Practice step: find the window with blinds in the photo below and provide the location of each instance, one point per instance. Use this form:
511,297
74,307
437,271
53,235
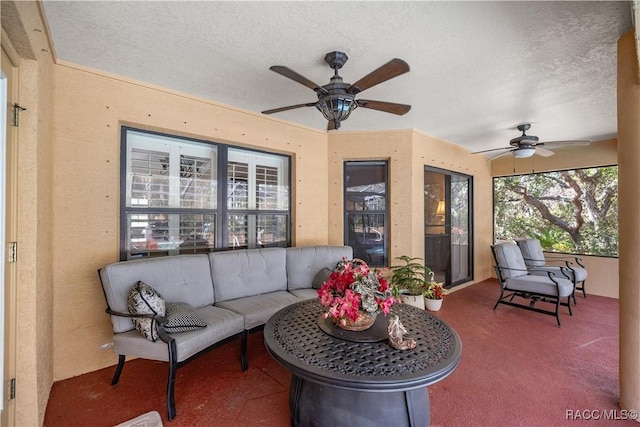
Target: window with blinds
170,196
266,187
149,181
238,185
257,195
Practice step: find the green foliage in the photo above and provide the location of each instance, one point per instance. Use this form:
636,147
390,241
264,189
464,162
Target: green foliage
572,211
412,277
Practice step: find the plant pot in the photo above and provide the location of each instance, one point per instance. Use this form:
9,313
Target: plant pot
414,300
432,304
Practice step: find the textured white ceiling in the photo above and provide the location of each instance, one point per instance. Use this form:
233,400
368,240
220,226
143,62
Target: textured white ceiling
477,68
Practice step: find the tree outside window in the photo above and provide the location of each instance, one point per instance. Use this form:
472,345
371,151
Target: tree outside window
572,211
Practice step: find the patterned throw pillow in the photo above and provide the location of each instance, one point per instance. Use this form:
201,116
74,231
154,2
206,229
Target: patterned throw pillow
181,317
143,299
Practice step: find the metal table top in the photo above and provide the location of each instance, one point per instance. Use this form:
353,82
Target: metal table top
292,336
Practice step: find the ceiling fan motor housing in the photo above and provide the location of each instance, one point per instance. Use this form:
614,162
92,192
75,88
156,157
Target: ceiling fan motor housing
336,59
524,138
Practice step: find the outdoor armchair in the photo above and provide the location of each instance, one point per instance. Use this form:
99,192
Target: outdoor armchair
534,259
516,281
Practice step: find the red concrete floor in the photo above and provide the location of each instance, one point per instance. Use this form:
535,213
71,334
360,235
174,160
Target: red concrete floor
518,368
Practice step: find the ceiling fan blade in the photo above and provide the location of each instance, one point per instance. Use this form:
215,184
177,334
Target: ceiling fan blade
289,73
391,69
290,107
493,149
387,107
544,152
495,156
577,142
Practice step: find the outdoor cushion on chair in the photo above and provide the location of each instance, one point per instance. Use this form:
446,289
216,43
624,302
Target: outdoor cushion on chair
517,281
534,258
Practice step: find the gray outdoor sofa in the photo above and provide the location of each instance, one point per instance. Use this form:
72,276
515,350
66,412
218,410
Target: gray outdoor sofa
232,292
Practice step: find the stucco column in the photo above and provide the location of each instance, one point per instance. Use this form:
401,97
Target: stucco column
629,224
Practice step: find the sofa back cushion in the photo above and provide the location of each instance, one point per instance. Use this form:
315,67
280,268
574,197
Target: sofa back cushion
248,272
532,252
304,263
509,259
180,278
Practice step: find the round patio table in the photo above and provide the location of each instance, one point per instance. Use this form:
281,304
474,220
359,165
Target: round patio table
357,378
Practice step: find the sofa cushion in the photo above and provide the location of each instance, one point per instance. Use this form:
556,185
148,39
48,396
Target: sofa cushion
245,273
307,293
258,309
221,324
304,263
182,317
184,278
143,299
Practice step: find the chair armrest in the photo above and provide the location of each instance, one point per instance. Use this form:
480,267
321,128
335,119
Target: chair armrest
121,314
579,261
161,321
563,269
562,259
546,261
511,269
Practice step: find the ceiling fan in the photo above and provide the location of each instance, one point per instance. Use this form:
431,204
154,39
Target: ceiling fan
336,100
527,145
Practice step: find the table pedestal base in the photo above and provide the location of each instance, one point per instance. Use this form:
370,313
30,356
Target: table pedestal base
317,405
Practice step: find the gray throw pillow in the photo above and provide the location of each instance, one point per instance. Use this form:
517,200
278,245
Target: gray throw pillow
321,277
182,317
143,299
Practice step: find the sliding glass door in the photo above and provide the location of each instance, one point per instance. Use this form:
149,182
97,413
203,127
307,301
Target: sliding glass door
448,227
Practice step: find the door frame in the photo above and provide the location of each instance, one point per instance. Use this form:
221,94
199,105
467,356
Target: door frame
443,228
9,228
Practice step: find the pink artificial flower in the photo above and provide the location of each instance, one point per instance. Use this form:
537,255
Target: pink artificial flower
342,301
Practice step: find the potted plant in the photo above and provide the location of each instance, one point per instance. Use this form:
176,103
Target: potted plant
434,295
411,280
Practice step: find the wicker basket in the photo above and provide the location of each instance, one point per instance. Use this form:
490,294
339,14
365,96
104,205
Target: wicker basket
364,321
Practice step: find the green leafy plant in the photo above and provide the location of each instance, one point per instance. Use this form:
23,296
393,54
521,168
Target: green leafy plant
411,278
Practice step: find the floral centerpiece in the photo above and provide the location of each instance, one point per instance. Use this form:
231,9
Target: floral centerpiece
354,295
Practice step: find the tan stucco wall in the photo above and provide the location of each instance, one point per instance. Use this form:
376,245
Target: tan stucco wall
629,226
392,146
34,293
407,152
603,272
90,109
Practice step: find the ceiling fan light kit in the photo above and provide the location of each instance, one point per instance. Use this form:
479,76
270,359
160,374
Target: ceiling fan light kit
527,145
338,107
523,153
336,100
